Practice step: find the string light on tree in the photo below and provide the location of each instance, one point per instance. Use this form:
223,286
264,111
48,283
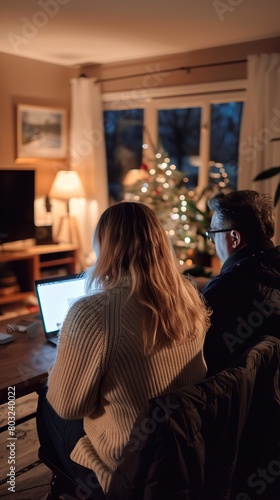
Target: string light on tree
218,175
164,189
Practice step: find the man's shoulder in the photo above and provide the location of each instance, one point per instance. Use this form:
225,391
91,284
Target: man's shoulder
272,258
223,283
232,281
246,273
229,274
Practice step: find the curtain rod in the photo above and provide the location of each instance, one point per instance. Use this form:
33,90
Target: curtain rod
198,94
180,68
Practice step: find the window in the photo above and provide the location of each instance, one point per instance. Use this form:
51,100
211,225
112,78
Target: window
179,135
224,142
124,139
198,127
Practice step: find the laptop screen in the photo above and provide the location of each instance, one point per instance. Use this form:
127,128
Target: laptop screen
55,296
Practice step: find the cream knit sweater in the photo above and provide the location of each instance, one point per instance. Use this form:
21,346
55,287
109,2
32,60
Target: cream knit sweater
100,374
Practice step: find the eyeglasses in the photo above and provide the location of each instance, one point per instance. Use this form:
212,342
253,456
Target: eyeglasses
213,231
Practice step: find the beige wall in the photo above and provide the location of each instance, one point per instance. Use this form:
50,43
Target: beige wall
167,71
25,81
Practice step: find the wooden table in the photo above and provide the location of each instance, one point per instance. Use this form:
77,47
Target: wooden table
24,363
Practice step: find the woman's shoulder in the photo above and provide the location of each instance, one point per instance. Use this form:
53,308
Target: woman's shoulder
92,300
86,311
97,299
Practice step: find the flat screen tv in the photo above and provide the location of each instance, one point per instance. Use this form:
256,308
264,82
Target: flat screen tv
17,193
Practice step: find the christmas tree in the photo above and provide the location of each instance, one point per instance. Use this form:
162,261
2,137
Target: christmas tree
165,190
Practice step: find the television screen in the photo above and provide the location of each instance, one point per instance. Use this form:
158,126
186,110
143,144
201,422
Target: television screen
17,192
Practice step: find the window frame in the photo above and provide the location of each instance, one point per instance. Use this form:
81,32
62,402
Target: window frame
183,96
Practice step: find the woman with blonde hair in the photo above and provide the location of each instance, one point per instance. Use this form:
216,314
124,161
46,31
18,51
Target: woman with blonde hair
138,333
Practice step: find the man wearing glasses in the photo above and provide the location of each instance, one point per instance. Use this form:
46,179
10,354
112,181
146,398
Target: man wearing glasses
245,296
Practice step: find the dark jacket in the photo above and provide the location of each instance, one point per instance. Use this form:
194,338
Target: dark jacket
209,441
245,299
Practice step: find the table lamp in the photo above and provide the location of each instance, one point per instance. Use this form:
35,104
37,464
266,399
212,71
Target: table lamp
66,185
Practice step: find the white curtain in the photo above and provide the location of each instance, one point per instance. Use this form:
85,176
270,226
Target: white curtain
260,125
87,156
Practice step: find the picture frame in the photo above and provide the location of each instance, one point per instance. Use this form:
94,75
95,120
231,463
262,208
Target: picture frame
41,133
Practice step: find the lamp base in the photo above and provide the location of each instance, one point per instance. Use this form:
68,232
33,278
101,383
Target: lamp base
71,229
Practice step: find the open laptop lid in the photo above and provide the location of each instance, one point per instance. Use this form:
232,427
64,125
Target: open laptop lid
55,296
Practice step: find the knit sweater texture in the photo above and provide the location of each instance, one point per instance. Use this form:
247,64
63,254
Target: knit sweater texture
102,375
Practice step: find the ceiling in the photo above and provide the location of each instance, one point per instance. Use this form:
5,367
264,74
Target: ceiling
79,32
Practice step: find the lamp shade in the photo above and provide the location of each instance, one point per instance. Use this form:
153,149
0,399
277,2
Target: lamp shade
67,184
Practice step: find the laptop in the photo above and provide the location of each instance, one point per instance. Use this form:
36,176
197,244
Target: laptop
55,296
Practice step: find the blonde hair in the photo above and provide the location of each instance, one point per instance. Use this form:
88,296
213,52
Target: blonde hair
132,242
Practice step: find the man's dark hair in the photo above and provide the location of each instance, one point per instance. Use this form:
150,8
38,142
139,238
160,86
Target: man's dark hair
249,212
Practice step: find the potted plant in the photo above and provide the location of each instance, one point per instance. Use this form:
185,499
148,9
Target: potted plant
271,172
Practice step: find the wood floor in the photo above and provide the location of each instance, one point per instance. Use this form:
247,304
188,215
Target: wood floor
32,477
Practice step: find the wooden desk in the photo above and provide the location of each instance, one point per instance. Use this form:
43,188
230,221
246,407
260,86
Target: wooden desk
25,362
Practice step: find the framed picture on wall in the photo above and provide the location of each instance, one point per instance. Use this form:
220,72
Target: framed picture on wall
41,133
